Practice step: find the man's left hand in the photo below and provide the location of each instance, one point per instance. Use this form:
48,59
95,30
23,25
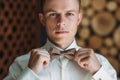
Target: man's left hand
87,59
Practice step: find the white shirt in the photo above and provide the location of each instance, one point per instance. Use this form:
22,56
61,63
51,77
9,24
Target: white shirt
60,68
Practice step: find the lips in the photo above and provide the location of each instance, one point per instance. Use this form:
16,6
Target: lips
61,32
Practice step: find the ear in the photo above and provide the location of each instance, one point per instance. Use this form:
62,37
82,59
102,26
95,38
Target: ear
41,18
79,18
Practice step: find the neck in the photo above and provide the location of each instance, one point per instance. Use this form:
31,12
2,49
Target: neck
63,44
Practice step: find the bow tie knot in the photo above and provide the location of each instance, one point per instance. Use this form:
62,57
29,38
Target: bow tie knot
54,53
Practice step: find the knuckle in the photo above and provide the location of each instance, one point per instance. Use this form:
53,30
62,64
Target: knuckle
38,55
33,50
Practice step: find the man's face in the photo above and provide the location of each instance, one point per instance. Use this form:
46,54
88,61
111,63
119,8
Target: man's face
61,18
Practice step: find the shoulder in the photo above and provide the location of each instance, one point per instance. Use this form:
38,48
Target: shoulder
101,58
22,61
23,57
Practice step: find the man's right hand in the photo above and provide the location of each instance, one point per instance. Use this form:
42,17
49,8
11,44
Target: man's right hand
39,58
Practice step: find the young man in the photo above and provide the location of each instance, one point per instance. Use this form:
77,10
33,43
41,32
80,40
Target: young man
61,19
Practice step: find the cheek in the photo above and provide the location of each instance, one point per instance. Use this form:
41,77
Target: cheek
74,30
74,26
49,29
49,26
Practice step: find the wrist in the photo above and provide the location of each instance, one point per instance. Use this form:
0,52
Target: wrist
96,70
35,70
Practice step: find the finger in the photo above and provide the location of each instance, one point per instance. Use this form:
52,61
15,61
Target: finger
90,51
44,60
34,59
45,63
85,49
78,54
83,57
82,53
84,62
33,53
43,53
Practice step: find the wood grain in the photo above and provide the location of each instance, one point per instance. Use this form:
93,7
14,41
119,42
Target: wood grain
103,23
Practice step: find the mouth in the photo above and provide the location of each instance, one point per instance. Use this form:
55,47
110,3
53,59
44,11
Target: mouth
61,32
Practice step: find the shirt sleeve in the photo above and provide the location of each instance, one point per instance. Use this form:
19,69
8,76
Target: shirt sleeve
106,72
17,73
28,74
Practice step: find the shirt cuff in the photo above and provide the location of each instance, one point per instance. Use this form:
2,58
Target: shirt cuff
101,75
28,74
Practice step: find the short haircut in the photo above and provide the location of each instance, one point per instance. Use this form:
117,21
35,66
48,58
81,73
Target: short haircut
42,2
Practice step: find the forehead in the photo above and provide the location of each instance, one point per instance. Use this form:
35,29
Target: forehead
61,5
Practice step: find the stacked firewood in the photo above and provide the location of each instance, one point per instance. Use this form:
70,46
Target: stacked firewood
100,29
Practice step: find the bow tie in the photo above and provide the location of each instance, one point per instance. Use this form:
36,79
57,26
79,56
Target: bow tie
54,53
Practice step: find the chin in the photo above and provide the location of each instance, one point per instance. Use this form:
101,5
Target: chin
57,39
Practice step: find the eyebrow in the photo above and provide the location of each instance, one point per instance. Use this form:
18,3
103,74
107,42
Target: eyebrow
51,10
71,11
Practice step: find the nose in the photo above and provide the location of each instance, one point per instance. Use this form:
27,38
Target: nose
61,21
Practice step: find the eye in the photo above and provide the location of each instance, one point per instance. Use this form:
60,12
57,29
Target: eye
53,14
70,14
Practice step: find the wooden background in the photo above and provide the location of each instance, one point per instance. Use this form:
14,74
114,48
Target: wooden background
100,29
20,30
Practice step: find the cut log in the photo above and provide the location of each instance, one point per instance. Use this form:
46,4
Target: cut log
104,51
113,51
117,37
95,42
98,4
111,6
82,11
117,14
90,12
109,42
103,23
118,1
85,3
85,22
84,33
80,42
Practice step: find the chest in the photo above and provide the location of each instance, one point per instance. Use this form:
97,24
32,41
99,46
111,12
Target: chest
64,70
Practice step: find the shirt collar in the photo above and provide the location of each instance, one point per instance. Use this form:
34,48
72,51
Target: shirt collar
50,44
